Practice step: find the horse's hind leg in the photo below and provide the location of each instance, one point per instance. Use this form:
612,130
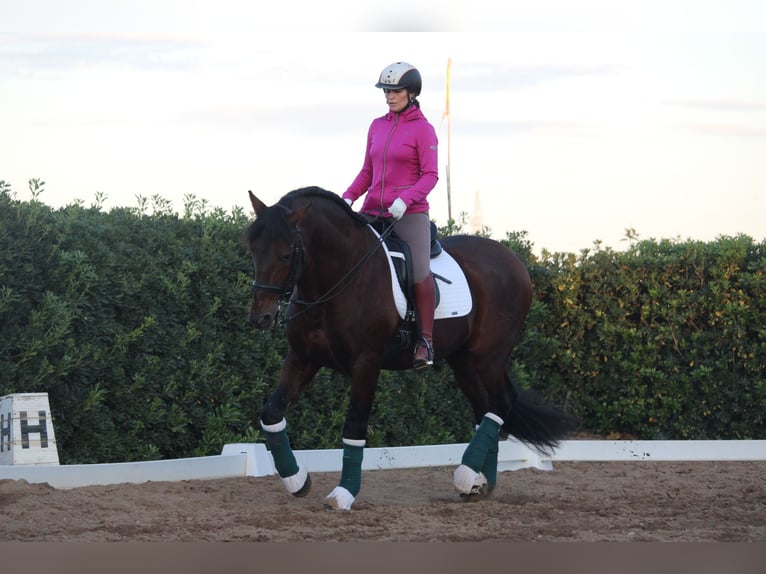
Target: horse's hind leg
477,473
484,388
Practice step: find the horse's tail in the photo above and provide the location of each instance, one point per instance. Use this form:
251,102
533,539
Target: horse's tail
534,423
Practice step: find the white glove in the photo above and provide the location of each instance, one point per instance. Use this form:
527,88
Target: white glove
348,201
398,207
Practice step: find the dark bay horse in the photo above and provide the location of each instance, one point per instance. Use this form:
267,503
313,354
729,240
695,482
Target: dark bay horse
314,251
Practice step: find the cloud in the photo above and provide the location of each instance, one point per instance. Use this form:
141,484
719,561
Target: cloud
723,129
720,105
57,53
523,128
301,120
487,77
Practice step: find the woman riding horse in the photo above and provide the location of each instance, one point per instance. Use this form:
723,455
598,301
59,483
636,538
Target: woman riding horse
312,250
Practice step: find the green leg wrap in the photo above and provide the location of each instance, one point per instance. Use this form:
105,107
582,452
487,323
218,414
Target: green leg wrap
483,442
284,459
489,469
351,475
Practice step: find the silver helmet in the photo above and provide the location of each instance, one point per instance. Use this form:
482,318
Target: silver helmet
401,75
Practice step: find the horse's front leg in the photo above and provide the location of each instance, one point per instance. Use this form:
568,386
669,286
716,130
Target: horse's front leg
294,377
364,381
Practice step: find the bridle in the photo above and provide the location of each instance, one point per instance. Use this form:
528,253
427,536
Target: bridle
286,290
296,263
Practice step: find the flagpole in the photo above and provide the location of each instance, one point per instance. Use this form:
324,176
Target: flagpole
449,142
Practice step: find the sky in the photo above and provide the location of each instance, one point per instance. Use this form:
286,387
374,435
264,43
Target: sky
571,121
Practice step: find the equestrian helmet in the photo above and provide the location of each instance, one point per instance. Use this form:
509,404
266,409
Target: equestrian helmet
401,75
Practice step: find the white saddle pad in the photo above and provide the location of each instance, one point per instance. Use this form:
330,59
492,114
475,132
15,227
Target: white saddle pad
454,293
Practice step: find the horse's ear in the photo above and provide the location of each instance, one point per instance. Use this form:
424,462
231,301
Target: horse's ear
258,206
296,216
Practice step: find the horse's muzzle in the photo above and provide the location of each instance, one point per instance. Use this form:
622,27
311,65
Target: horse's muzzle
264,312
265,321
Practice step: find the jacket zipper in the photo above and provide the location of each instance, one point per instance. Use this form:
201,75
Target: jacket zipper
385,157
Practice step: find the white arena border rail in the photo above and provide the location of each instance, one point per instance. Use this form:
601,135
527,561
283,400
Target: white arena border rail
246,459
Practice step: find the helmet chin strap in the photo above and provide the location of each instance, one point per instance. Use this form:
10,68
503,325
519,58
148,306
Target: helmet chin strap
411,101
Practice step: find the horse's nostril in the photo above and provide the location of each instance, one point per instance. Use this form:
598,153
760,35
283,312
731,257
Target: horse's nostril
262,322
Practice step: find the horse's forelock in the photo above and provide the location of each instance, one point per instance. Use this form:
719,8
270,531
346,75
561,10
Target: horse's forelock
269,225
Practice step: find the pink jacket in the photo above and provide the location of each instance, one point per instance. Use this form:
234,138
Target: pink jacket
401,160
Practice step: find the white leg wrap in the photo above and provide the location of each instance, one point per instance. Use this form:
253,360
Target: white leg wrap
354,442
295,482
280,426
494,417
467,480
339,499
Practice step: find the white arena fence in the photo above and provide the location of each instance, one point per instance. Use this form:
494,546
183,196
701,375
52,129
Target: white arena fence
28,451
253,459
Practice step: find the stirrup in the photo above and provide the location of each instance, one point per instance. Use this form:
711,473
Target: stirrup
420,362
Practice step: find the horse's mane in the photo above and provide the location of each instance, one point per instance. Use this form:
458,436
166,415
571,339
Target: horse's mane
288,200
314,191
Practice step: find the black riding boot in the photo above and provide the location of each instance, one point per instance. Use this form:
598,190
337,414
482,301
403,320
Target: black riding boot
424,308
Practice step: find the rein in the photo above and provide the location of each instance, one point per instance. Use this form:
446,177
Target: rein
296,264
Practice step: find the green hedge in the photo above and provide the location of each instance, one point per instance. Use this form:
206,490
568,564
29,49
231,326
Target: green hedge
134,322
666,340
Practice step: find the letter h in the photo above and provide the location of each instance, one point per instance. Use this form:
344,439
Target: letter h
5,431
27,429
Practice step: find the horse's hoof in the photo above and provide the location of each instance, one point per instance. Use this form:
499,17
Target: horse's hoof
339,499
478,492
468,481
305,489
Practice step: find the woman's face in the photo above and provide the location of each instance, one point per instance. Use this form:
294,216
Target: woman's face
397,100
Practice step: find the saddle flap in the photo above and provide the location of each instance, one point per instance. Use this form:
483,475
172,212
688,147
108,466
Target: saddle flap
454,294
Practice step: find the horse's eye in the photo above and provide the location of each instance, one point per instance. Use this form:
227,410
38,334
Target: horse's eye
284,258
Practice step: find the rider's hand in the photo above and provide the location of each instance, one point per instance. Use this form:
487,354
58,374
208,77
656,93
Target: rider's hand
398,207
